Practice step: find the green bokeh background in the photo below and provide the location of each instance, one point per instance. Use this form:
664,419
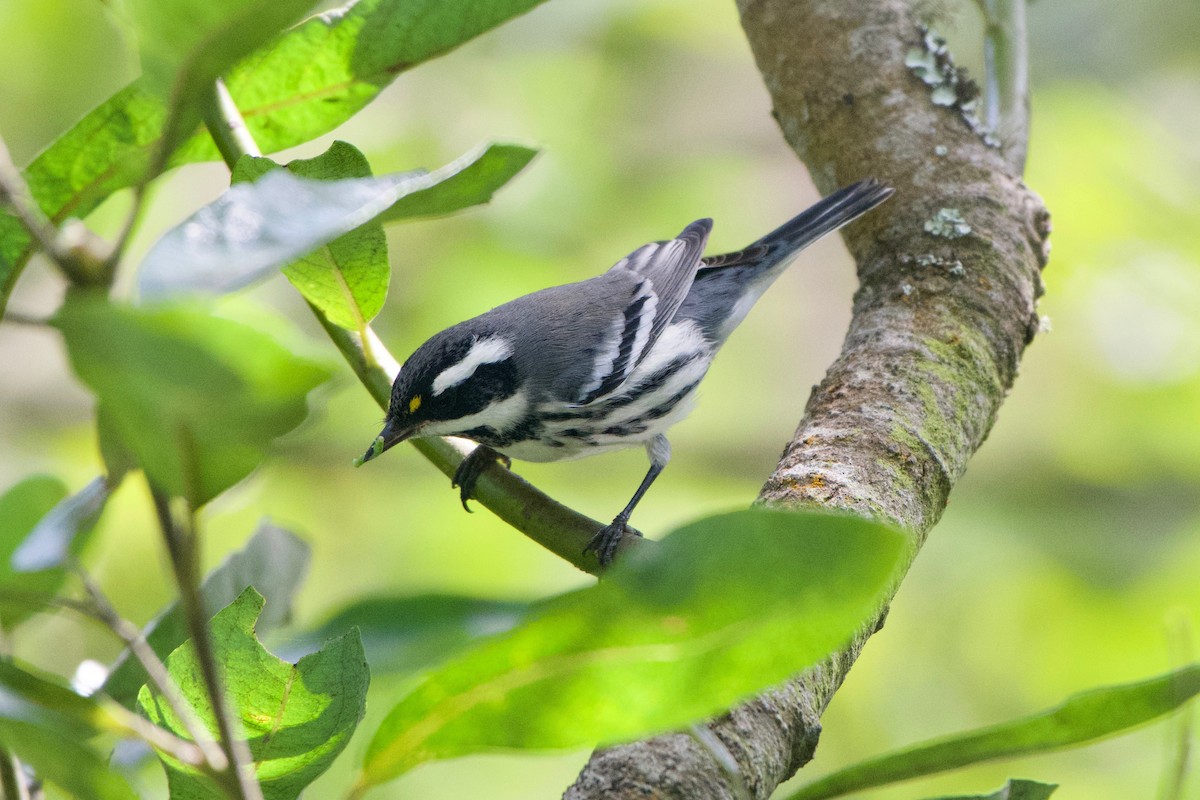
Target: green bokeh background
1069,554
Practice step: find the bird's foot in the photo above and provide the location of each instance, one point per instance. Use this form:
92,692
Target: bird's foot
472,467
605,542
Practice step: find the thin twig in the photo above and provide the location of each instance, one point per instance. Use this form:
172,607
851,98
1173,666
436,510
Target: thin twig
1006,77
227,126
126,721
183,548
156,670
561,530
725,760
14,193
556,527
12,778
18,318
1179,761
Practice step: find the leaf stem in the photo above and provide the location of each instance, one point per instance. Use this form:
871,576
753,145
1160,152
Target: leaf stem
559,529
227,126
556,527
103,610
18,318
78,260
1006,77
709,740
12,781
183,547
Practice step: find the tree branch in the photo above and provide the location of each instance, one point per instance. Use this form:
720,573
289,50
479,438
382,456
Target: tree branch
949,276
551,524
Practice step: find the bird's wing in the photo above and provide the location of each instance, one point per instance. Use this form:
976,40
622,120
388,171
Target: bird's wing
660,275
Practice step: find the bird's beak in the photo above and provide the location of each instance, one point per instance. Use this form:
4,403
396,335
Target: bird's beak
393,433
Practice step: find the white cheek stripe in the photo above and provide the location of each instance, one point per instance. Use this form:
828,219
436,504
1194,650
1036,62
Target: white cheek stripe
500,415
484,351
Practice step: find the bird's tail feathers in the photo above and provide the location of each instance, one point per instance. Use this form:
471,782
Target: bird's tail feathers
827,215
822,218
727,285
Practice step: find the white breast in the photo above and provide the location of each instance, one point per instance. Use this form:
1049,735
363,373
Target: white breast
659,392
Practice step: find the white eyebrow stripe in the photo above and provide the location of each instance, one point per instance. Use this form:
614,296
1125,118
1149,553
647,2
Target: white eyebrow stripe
484,351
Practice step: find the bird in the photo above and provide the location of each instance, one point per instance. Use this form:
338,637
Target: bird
602,364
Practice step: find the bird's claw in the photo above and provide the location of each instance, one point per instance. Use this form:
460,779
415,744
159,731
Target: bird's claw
471,467
606,540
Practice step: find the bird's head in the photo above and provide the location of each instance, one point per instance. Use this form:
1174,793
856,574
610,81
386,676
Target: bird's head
459,381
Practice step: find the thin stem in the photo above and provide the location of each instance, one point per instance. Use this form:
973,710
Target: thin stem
1006,69
15,193
103,610
705,737
1179,759
18,318
183,547
227,126
556,527
125,721
12,781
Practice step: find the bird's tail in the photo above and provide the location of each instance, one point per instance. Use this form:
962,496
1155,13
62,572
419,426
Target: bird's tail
827,215
727,285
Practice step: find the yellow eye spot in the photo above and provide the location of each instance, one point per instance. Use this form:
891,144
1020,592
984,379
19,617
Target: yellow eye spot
414,404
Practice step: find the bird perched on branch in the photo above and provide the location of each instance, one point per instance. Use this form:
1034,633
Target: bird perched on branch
606,363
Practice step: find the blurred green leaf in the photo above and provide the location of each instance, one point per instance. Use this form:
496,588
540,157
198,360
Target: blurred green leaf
297,718
253,228
185,45
1014,789
45,723
22,507
118,460
404,634
30,699
52,539
469,181
1081,718
346,278
672,634
197,399
315,77
274,562
65,762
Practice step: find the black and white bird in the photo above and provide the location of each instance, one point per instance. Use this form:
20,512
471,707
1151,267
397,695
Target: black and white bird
599,365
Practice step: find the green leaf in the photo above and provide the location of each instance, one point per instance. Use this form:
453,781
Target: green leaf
185,45
404,634
75,767
1081,718
253,228
197,399
469,181
314,78
1014,789
274,562
22,507
55,535
33,700
327,68
674,633
44,724
297,718
346,278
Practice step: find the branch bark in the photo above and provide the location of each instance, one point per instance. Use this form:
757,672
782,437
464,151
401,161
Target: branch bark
949,276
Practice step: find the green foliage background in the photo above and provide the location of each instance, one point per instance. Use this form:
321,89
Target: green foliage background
1069,554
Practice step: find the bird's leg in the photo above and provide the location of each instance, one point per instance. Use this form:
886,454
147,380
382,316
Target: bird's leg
472,467
607,538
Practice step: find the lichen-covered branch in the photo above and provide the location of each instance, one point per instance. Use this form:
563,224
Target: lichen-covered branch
949,273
